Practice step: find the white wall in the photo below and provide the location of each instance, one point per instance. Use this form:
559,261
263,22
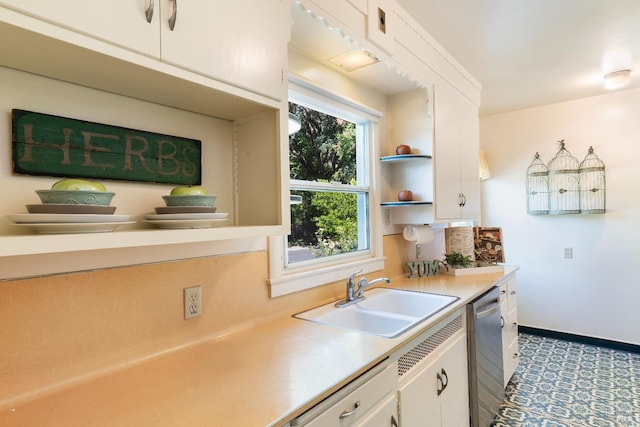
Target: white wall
596,293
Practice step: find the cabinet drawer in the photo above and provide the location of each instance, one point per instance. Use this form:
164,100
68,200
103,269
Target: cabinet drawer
511,322
503,293
357,403
384,415
512,294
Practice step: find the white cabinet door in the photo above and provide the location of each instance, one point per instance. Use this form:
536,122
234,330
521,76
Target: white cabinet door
121,22
438,395
419,400
455,397
238,42
456,148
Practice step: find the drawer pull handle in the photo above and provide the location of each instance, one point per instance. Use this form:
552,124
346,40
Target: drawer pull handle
394,422
355,409
148,13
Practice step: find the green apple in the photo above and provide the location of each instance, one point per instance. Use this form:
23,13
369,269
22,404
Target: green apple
188,191
78,184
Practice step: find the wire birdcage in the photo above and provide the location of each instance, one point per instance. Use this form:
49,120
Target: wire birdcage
537,187
564,192
592,184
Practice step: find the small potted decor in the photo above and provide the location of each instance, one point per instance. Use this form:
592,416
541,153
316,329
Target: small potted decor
457,260
462,265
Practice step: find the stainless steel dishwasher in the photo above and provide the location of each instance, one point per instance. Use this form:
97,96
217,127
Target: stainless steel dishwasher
486,388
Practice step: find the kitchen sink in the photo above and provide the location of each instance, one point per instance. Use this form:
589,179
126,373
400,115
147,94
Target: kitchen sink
384,312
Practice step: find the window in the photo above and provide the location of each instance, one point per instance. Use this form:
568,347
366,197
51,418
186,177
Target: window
329,187
332,202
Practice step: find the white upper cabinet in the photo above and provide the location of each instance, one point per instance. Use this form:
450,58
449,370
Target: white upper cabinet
238,42
241,43
131,24
456,151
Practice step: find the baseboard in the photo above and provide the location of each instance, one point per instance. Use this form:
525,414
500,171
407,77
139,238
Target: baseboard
616,345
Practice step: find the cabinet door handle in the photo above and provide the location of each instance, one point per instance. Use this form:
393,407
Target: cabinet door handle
174,15
464,200
501,322
443,381
148,13
355,409
446,379
394,422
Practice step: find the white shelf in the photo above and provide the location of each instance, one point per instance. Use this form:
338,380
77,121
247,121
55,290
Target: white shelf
42,244
404,158
411,203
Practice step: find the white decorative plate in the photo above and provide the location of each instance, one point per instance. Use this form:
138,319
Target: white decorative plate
67,218
186,216
74,227
185,223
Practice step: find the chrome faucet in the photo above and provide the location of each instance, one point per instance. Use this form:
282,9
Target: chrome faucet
364,284
355,294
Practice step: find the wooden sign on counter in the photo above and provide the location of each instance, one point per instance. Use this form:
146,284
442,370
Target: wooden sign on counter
44,144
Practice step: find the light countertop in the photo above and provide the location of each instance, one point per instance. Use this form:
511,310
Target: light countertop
260,376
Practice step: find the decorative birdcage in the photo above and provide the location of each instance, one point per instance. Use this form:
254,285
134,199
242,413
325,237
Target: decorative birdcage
564,191
537,187
592,184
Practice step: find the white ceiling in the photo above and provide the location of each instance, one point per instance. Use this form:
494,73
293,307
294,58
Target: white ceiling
525,53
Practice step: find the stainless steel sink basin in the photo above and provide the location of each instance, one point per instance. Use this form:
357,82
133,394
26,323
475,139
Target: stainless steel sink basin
384,312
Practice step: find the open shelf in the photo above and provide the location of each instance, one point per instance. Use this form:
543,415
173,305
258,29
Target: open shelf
411,203
49,243
404,158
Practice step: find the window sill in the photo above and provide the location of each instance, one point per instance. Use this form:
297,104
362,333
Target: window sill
321,275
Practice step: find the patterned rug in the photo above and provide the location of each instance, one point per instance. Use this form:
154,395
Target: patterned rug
561,383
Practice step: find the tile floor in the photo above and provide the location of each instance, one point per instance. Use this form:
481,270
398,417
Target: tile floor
566,384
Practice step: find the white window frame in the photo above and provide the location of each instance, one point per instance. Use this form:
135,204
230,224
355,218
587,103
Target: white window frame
305,275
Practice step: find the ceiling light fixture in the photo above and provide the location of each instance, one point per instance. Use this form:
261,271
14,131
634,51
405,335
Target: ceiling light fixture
354,60
294,124
617,79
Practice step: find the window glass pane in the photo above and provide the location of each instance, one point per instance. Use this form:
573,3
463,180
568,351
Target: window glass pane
324,149
327,223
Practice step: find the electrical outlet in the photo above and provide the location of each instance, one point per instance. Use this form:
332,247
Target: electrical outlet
387,216
568,253
192,302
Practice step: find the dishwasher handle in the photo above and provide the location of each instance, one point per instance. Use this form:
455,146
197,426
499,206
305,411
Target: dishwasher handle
493,307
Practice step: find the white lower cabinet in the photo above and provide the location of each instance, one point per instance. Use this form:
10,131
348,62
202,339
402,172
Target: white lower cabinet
433,386
368,401
509,310
437,395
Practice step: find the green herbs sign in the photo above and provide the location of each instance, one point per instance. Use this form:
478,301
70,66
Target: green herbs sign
57,146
